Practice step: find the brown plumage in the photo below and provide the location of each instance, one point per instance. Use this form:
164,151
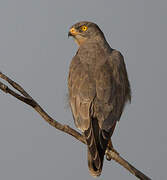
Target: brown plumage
98,90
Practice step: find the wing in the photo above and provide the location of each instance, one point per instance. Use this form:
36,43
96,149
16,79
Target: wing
81,93
113,91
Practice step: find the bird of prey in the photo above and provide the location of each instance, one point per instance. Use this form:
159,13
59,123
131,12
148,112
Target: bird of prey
98,90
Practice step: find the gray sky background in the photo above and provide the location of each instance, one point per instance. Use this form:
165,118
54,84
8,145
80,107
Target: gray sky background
35,51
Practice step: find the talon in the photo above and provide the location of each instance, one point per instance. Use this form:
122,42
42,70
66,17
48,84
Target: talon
108,157
108,153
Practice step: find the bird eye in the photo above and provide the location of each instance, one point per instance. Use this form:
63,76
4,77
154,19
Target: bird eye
84,28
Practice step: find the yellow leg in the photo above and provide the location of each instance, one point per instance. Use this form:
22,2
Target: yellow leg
110,147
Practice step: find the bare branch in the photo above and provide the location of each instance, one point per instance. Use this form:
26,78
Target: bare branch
115,156
15,85
30,101
26,98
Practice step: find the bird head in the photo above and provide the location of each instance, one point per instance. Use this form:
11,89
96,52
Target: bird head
84,31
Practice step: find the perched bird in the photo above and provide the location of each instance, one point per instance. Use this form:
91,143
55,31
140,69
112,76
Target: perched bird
98,90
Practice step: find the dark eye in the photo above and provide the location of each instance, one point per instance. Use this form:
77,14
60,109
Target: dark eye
84,28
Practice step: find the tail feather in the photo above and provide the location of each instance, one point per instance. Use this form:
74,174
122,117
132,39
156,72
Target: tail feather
92,169
97,144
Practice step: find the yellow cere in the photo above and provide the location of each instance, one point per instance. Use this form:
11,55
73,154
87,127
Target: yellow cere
84,28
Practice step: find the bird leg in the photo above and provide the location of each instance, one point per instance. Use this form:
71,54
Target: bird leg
109,148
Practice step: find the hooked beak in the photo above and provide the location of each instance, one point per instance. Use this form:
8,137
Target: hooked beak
69,34
72,32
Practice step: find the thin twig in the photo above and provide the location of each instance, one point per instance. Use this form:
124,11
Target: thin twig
26,98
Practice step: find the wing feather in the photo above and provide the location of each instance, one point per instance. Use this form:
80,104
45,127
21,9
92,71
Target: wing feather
120,91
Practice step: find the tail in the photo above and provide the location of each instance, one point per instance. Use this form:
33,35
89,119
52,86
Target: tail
97,144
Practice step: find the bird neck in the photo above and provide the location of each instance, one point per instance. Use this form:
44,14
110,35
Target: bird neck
103,42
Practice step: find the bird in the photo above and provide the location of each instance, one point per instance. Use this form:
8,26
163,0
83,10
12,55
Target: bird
98,89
